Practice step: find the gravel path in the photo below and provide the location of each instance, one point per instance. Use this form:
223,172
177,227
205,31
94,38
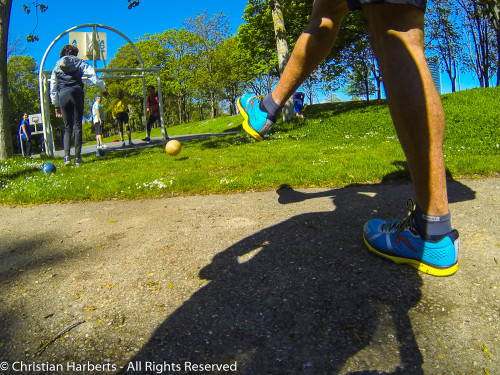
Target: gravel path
274,282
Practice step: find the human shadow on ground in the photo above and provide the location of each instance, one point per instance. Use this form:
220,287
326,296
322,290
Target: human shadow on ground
302,296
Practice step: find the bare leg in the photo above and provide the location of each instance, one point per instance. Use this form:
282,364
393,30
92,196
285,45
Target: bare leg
311,47
416,109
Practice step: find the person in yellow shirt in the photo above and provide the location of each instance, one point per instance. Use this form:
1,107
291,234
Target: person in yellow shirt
120,115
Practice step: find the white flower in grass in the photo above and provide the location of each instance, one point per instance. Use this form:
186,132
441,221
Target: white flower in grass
226,181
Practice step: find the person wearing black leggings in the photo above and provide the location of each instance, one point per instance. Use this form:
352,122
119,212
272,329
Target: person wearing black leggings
67,95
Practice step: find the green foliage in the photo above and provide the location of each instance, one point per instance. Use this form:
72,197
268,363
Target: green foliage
27,9
491,10
257,35
132,3
208,34
23,90
230,61
200,67
338,144
88,132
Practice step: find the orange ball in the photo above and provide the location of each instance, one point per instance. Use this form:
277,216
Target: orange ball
173,147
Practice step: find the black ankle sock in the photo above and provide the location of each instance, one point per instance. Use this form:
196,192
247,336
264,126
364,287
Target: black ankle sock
432,226
268,105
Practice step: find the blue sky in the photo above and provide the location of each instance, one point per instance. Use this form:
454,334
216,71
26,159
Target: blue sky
149,17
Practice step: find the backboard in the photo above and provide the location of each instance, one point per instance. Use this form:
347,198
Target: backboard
87,42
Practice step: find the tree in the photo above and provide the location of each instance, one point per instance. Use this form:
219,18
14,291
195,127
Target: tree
22,73
444,37
231,62
358,85
491,10
360,66
15,46
282,49
27,9
210,33
481,58
258,36
6,146
311,85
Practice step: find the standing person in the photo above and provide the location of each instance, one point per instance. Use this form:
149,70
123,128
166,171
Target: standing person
298,103
25,130
153,109
98,120
425,239
67,95
120,115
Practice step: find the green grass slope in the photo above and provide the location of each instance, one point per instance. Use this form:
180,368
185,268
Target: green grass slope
337,144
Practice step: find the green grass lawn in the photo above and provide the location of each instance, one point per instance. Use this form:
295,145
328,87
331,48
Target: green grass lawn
336,145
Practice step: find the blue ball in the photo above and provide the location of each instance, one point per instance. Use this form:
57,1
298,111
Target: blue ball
49,168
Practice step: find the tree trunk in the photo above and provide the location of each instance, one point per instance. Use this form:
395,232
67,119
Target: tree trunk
494,13
181,107
213,101
498,57
200,109
6,147
282,47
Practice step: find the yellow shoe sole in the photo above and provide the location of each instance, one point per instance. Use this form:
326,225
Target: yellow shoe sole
422,267
246,124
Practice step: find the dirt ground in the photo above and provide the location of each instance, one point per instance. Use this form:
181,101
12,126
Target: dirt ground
274,282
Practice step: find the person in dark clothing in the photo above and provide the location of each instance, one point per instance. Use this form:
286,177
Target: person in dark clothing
298,103
25,131
153,110
67,95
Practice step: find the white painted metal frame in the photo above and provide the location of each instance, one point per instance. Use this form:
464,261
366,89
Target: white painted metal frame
141,72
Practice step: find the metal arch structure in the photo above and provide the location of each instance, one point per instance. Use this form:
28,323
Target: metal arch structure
141,72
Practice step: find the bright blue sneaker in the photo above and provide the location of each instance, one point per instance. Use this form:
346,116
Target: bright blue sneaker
399,241
255,122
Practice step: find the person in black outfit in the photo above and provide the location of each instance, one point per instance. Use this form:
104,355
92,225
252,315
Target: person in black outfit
67,95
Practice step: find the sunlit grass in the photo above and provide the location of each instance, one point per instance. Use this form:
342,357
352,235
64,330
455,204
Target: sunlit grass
338,144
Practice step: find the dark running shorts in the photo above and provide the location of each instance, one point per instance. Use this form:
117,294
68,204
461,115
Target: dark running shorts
121,118
356,4
98,128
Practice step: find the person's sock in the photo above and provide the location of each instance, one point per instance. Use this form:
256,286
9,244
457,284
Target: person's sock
432,227
268,105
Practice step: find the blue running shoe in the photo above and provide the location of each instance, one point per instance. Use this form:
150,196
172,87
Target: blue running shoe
257,123
399,241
